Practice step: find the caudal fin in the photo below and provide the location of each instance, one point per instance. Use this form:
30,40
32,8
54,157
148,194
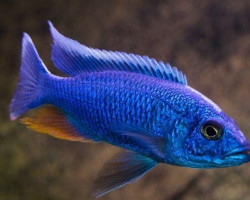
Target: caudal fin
31,72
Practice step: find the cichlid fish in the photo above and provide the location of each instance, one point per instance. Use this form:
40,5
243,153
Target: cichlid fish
127,100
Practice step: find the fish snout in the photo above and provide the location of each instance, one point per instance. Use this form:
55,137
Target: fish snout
240,153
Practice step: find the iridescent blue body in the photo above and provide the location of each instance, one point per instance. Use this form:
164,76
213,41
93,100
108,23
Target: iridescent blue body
102,100
129,101
99,101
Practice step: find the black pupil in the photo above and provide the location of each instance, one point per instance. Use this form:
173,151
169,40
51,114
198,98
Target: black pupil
211,131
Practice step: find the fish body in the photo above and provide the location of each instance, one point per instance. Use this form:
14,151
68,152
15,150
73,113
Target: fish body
129,101
101,101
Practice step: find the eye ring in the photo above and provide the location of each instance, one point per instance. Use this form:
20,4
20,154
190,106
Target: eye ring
212,130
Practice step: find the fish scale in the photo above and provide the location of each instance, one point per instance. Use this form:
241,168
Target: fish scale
115,94
129,101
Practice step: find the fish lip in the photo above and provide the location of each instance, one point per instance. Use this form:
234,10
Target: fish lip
239,151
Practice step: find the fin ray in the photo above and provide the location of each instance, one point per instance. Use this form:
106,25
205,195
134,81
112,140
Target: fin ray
52,121
154,143
78,59
124,168
27,92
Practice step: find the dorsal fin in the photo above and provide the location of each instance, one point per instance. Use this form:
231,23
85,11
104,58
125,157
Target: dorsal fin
73,58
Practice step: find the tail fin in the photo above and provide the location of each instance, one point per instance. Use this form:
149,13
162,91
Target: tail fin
27,92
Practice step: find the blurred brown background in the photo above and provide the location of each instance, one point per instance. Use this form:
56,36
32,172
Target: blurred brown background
207,40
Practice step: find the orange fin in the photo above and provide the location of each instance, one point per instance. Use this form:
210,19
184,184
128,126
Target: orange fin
52,121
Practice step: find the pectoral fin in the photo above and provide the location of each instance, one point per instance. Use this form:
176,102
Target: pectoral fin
52,121
123,168
154,143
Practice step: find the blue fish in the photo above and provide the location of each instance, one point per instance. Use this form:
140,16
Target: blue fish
130,101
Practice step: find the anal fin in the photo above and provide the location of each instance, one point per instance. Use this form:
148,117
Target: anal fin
54,122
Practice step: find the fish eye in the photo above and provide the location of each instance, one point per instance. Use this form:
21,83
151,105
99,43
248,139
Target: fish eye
212,130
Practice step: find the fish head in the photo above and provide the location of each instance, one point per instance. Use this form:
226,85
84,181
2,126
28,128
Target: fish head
206,137
215,141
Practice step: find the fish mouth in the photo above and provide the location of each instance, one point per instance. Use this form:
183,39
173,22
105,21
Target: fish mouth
239,152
